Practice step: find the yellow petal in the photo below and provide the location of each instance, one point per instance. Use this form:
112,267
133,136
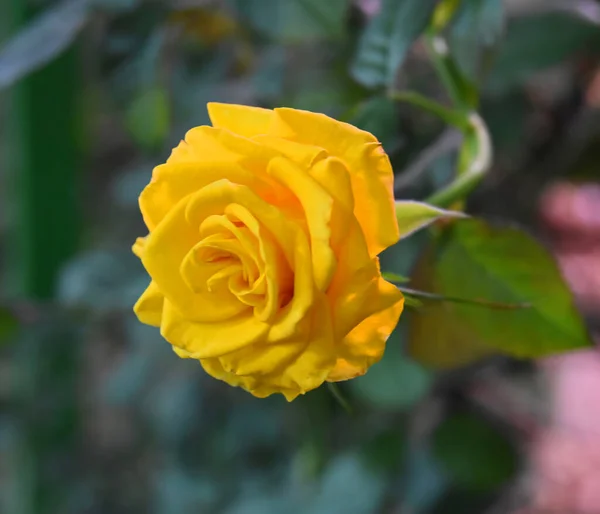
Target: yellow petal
241,119
370,170
291,240
304,155
316,361
261,390
333,175
285,326
173,181
365,344
262,358
149,306
206,340
203,279
363,294
166,248
138,246
277,272
290,368
209,147
206,143
219,196
317,205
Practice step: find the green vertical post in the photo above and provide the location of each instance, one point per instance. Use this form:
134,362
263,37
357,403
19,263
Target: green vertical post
44,150
42,125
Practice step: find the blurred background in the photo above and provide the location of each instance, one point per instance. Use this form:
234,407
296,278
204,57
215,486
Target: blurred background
98,416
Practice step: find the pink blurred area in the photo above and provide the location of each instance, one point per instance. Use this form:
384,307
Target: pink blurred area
565,456
369,7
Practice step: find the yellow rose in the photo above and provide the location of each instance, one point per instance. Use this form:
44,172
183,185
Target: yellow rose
264,231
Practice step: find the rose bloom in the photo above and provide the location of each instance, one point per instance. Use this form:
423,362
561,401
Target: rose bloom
264,231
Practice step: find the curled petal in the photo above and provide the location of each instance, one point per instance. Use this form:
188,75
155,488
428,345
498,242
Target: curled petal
371,173
317,205
166,248
364,344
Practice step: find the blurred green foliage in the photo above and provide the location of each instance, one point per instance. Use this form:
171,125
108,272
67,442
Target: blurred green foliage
99,416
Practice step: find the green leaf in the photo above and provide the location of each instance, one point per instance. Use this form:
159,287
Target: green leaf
476,29
500,264
395,383
413,216
44,39
474,454
387,39
148,118
294,20
535,43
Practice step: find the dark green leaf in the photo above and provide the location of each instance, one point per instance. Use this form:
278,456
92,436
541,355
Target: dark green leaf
387,39
474,454
475,260
43,40
294,20
535,43
477,28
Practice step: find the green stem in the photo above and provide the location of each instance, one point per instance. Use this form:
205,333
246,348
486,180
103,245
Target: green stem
340,398
453,299
468,179
462,92
449,116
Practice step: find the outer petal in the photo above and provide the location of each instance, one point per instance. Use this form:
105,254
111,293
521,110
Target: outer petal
361,295
149,306
302,154
261,390
174,181
241,119
365,344
288,368
206,340
214,145
371,174
315,363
